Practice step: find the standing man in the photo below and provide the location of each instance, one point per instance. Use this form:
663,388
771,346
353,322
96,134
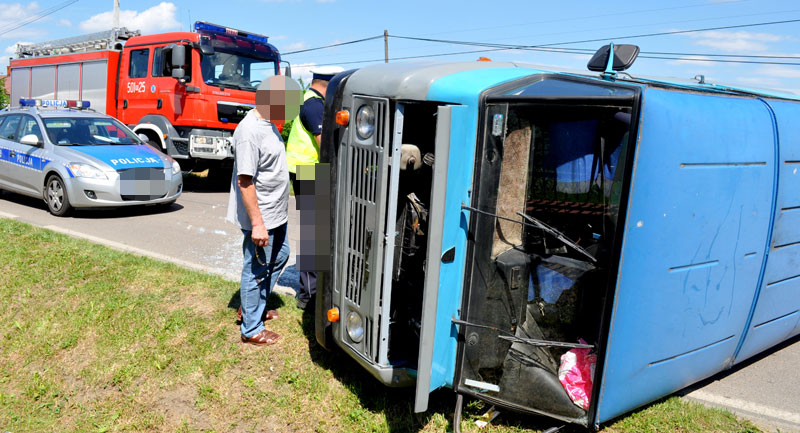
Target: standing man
259,201
302,149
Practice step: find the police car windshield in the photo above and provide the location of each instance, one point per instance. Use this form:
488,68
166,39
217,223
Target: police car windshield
227,69
87,131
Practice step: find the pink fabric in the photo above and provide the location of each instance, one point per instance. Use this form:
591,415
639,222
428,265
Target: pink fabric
575,374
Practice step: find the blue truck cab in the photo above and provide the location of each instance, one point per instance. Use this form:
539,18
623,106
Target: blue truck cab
488,219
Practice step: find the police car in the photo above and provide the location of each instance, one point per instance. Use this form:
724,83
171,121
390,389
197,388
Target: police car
72,157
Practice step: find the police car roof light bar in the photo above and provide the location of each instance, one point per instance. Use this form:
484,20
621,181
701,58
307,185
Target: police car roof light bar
53,103
205,27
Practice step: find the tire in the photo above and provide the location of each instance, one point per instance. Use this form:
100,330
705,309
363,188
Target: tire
55,195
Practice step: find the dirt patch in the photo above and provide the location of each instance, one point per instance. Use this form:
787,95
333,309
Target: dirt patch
177,405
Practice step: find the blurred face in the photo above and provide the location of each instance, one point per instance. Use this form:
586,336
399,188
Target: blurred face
278,99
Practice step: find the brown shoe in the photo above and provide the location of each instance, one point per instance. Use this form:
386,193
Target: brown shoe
268,315
263,338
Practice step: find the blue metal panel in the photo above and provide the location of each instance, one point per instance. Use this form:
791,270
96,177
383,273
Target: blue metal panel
462,88
699,211
775,317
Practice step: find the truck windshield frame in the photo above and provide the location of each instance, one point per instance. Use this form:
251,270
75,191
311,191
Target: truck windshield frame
233,69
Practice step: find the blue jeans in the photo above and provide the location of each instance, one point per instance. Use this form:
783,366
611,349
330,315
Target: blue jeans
257,279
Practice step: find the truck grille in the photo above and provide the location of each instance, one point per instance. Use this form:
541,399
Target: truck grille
142,183
362,205
365,163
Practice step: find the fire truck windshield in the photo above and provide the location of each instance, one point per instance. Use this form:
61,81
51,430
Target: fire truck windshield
235,70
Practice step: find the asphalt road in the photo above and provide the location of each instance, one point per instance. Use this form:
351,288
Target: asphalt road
193,233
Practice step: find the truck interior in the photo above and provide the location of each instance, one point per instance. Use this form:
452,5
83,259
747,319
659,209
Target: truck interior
411,241
542,262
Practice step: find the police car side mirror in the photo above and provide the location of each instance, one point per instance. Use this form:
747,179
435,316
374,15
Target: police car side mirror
31,140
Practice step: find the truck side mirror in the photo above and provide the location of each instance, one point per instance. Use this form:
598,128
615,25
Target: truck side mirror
287,71
178,59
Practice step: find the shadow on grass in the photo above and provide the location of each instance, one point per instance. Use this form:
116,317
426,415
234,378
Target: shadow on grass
274,302
397,404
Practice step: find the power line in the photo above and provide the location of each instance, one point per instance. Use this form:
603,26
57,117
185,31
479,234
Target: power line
332,45
551,47
37,17
673,32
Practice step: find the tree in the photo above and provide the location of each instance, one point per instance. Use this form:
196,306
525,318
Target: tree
4,97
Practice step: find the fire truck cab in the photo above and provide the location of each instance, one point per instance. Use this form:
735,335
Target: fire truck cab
184,91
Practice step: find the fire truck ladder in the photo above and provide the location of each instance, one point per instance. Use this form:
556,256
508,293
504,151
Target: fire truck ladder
107,40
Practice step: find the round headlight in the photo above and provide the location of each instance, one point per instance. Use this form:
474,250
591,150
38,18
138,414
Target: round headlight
355,327
365,122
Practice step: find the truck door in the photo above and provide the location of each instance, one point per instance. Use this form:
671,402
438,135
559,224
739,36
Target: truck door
542,254
136,98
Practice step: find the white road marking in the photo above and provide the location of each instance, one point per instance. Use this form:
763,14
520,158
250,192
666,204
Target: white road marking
745,406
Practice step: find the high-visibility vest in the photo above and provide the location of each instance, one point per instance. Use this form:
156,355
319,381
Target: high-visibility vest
301,147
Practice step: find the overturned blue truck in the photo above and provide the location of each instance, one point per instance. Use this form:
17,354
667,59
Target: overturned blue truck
491,221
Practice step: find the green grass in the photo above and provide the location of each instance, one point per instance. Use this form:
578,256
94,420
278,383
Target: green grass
97,340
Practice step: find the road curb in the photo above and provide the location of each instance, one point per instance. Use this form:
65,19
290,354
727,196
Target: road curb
763,416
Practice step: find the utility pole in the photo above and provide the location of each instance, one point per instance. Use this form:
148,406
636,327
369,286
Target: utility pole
386,46
116,14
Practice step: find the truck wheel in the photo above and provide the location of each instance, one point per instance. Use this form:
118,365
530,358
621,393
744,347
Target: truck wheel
56,196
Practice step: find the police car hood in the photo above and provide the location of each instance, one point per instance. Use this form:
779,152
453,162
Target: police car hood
118,156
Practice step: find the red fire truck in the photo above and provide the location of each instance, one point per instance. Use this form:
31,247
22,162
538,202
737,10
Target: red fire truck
185,91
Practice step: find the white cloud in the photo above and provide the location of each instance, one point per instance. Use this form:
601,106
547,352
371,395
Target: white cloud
65,22
302,71
779,72
694,61
156,19
737,42
294,47
12,14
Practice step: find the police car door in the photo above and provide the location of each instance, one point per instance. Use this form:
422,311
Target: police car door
18,159
30,158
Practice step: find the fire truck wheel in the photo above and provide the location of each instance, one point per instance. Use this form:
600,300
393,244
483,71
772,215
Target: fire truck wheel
56,196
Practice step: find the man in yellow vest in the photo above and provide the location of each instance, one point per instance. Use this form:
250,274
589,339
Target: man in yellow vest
302,150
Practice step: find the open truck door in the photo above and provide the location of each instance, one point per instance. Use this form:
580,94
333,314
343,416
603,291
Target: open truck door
434,368
543,247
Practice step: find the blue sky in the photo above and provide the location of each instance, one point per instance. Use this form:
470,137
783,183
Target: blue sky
300,24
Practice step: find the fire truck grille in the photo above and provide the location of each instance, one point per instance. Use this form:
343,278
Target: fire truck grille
142,183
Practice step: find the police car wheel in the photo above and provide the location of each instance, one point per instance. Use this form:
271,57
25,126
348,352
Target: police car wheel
56,196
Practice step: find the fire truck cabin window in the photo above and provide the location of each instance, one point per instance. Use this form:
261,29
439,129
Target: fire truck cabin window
138,63
162,63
